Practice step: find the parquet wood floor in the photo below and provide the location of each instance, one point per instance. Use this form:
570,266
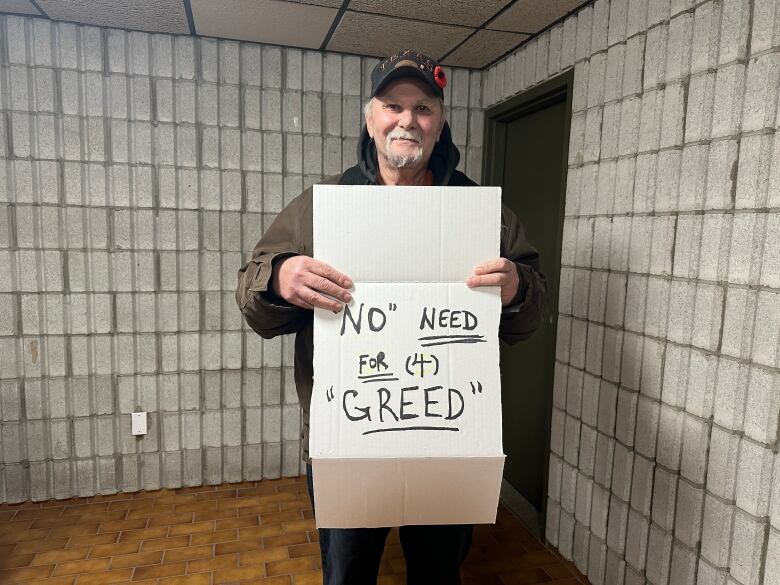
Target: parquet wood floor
254,532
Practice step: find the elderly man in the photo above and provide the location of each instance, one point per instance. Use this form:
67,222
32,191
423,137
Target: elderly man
405,141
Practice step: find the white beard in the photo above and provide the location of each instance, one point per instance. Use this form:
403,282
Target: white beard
407,159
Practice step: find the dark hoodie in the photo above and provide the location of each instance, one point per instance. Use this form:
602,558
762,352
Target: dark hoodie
291,234
444,158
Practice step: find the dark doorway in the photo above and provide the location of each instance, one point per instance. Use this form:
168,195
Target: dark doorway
526,154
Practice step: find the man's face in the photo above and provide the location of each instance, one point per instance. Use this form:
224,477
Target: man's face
405,121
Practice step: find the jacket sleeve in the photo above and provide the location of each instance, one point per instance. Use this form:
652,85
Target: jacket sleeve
265,312
523,315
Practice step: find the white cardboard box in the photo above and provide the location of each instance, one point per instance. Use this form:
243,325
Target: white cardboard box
406,406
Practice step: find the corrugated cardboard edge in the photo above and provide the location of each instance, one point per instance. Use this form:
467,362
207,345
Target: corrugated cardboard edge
369,493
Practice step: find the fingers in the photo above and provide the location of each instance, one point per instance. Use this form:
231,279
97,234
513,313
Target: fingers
495,265
493,279
327,271
310,283
325,286
309,298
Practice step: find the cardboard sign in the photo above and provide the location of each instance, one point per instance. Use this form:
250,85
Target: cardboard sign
406,407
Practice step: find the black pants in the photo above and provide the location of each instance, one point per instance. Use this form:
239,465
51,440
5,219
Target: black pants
351,556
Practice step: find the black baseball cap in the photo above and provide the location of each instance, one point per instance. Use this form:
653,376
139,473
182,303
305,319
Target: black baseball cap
409,63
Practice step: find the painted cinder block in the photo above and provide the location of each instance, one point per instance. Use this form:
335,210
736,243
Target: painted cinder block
678,57
596,79
655,56
684,564
698,115
730,394
657,12
171,469
193,467
587,457
746,548
694,451
599,511
622,473
618,521
716,531
755,159
707,316
597,559
605,451
734,30
670,432
626,419
762,406
616,568
569,42
184,57
729,90
700,391
637,533
579,338
600,24
722,466
229,62
568,488
657,301
613,84
571,442
580,89
754,476
652,359
647,428
659,555
763,75
584,33
721,174
580,548
772,567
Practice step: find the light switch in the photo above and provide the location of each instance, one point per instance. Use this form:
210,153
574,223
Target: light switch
138,424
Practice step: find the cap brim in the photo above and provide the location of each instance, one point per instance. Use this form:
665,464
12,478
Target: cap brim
408,71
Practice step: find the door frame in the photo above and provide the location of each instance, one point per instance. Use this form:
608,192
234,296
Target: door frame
497,118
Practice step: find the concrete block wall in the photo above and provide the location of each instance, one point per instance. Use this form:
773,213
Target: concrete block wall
136,173
664,465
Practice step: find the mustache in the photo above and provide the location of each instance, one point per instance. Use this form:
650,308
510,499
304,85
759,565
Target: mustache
400,134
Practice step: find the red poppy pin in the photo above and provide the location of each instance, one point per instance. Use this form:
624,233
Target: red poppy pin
439,77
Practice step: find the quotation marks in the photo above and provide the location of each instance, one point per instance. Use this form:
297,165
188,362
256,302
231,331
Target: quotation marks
392,307
476,389
329,394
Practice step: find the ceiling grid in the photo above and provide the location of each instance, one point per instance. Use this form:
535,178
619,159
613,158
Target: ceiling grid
463,33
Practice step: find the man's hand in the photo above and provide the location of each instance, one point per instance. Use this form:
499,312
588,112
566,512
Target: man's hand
305,282
499,272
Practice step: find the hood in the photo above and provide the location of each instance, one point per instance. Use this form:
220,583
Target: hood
444,159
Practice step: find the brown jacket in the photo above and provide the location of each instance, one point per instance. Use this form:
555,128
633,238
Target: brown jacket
291,234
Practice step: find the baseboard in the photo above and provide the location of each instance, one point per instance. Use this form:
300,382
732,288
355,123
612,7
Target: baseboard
522,509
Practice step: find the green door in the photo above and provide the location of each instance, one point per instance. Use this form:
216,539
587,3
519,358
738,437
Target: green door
529,143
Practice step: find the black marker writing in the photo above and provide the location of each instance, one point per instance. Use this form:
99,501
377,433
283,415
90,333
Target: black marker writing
405,404
392,429
448,319
376,319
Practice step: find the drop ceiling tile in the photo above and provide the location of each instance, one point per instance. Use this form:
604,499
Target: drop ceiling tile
369,34
463,12
264,21
18,7
149,15
484,47
531,16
